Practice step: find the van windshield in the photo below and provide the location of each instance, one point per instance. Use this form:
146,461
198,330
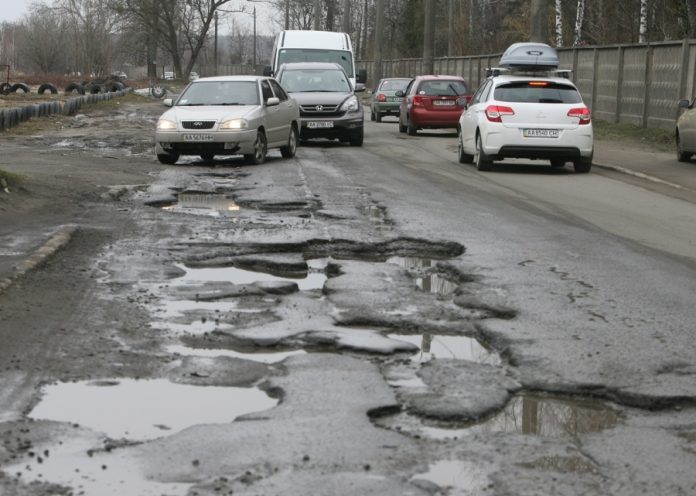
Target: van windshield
311,80
341,57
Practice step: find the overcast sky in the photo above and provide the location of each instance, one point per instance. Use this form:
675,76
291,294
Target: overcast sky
13,10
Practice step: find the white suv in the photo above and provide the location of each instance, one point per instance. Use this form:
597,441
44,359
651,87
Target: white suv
522,115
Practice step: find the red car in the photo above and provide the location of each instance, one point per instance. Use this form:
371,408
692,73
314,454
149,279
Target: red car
432,102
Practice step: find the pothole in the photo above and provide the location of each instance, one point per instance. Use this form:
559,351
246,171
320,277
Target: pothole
203,204
146,409
267,357
428,281
457,347
552,417
455,475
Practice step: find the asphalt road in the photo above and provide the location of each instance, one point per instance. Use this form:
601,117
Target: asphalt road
374,320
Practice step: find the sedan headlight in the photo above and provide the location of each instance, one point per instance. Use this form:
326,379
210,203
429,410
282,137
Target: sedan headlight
350,105
235,124
166,125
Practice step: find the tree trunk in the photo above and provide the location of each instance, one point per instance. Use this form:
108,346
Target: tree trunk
428,37
559,23
643,30
539,28
347,16
579,18
317,15
330,14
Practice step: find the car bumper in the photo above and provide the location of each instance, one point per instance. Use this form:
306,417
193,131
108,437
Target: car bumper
386,107
331,127
216,142
435,118
509,143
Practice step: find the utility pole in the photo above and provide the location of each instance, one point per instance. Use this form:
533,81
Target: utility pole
428,38
317,15
379,40
539,28
215,47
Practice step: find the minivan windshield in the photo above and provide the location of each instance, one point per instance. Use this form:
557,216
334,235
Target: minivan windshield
220,93
340,57
536,92
313,80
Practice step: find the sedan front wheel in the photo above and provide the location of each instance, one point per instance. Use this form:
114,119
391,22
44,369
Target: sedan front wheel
260,149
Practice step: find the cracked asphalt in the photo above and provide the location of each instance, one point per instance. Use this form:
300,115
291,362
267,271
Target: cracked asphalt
376,320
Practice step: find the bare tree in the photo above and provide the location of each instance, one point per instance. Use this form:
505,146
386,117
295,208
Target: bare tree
539,30
559,23
643,30
579,19
43,39
691,7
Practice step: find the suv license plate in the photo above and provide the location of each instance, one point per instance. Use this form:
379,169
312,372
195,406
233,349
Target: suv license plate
196,138
319,124
444,103
540,133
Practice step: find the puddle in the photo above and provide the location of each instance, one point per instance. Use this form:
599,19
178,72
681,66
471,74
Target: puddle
146,409
458,475
212,353
79,464
429,283
215,205
459,347
314,279
527,414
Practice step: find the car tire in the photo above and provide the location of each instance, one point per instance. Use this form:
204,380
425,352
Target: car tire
372,114
357,138
51,88
208,157
464,158
75,87
682,155
260,149
378,117
19,87
557,163
411,130
402,127
289,150
483,161
583,165
168,158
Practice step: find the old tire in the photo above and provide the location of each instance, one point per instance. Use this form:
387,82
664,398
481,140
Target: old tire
289,150
158,91
115,86
482,161
48,86
75,87
168,158
19,86
260,149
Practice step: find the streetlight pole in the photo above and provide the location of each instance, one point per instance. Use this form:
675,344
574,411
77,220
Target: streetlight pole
254,39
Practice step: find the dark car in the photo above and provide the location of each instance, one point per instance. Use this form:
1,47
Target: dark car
384,100
432,102
328,105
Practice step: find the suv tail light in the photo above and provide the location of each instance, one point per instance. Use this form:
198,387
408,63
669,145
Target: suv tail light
582,113
417,101
381,97
495,113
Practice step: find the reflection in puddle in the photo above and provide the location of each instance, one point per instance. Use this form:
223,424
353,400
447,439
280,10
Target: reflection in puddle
212,353
455,474
314,279
203,204
79,464
146,409
459,347
429,283
527,414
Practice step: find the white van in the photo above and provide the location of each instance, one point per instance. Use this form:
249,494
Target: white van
315,46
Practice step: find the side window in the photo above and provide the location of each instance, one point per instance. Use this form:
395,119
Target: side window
487,91
479,95
407,91
266,90
279,92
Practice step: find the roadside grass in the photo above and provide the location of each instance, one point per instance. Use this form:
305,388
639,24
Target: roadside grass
8,179
654,138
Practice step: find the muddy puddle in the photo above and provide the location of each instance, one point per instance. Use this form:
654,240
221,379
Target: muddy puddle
268,358
552,417
146,409
455,475
215,205
456,347
427,282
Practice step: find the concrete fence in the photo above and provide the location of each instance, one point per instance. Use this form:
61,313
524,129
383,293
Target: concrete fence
636,84
11,117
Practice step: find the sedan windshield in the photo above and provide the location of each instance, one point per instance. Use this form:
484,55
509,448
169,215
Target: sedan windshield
312,80
537,92
220,93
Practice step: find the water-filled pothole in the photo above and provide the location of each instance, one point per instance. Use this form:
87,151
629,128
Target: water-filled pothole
203,204
270,357
553,417
440,346
146,409
456,474
429,282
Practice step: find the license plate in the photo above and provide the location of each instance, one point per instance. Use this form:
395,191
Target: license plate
319,124
444,103
394,99
196,138
540,133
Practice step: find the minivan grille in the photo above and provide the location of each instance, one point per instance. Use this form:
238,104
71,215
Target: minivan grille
197,124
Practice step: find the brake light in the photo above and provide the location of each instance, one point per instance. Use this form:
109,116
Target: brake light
381,97
417,101
582,113
538,83
495,113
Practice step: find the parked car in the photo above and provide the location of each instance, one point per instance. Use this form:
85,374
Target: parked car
169,75
119,75
685,134
432,102
527,113
384,100
228,115
328,105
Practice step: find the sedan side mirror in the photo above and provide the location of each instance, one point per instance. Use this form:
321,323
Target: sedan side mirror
273,101
684,104
168,102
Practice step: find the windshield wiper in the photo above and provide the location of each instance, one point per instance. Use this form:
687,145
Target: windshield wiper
191,104
232,103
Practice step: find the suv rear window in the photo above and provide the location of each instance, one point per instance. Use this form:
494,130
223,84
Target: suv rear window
442,88
536,92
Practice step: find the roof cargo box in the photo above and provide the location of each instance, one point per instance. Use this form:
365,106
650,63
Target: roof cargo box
530,57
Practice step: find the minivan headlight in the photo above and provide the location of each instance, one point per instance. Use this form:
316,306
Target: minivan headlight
166,125
351,105
235,124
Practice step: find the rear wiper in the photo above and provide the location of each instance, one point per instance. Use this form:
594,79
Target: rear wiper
549,100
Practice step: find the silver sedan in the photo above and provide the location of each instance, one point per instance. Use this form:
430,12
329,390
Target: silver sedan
229,115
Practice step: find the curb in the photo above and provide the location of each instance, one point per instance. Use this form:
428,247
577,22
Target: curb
57,241
640,175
